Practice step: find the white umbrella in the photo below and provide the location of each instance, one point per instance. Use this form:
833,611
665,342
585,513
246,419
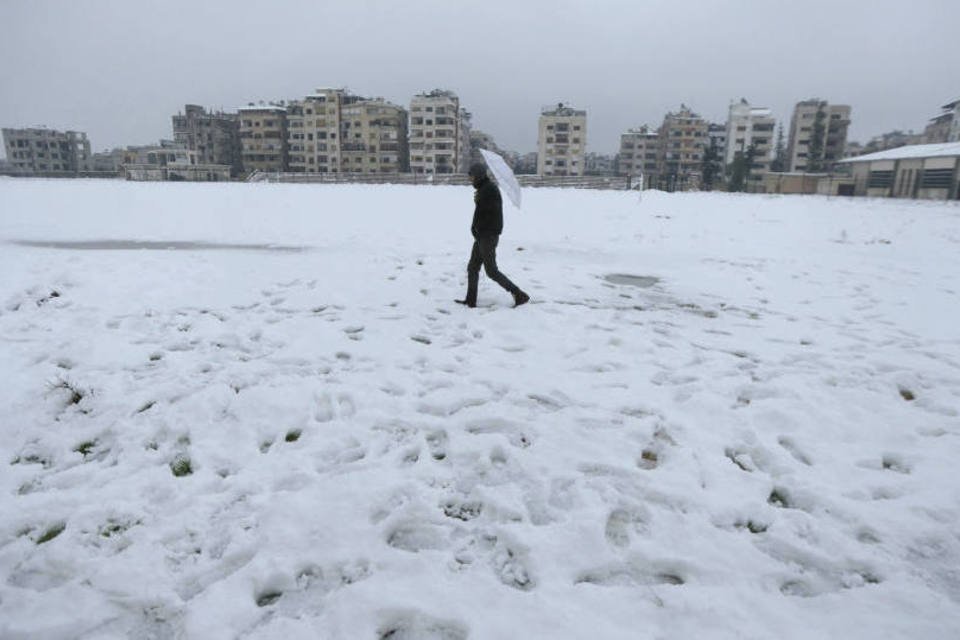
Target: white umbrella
505,178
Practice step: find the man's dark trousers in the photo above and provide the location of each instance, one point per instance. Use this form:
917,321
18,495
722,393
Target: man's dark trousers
485,253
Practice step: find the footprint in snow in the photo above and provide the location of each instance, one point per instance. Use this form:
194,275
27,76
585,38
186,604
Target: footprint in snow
437,444
621,523
415,625
635,572
507,559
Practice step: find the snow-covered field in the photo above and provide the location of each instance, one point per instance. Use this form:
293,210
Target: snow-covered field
252,411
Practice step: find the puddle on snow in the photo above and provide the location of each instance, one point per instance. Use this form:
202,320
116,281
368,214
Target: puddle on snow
153,245
634,281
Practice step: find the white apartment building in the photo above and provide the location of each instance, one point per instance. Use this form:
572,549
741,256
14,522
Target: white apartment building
748,125
818,135
562,141
439,133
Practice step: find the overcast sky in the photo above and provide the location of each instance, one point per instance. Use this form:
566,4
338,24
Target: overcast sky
119,69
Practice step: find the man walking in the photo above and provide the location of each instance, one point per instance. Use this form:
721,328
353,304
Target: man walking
486,229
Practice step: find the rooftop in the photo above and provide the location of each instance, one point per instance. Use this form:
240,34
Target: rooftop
562,110
262,107
938,150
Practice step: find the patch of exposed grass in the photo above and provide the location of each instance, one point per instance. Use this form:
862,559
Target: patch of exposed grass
293,435
649,459
52,532
268,597
114,527
181,466
32,458
780,498
85,447
752,526
75,393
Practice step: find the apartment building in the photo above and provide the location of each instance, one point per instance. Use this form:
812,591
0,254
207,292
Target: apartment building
41,150
818,135
373,138
263,137
890,140
684,136
562,141
168,160
162,154
717,137
639,151
215,136
479,140
333,131
944,127
314,125
439,133
599,164
749,126
955,126
108,161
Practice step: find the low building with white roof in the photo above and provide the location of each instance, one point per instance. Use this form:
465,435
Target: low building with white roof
925,171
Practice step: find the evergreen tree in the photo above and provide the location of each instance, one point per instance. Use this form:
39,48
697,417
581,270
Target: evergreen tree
815,152
740,168
711,165
780,153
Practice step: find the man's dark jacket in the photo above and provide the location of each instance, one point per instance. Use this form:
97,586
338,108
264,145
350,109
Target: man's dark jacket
488,214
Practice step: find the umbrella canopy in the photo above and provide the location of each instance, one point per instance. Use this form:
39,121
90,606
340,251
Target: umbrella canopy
505,178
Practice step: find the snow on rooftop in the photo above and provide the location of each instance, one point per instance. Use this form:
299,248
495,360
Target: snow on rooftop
262,107
937,150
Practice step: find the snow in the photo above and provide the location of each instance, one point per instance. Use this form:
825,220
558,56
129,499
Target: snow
720,416
912,151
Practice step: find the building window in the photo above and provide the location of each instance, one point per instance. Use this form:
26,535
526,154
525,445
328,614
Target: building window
880,180
936,178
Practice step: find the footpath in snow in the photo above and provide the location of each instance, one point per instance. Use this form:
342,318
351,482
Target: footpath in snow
253,411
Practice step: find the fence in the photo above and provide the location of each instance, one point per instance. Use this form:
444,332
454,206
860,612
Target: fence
20,173
570,182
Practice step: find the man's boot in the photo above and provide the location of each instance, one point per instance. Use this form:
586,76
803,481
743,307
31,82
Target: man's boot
520,298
